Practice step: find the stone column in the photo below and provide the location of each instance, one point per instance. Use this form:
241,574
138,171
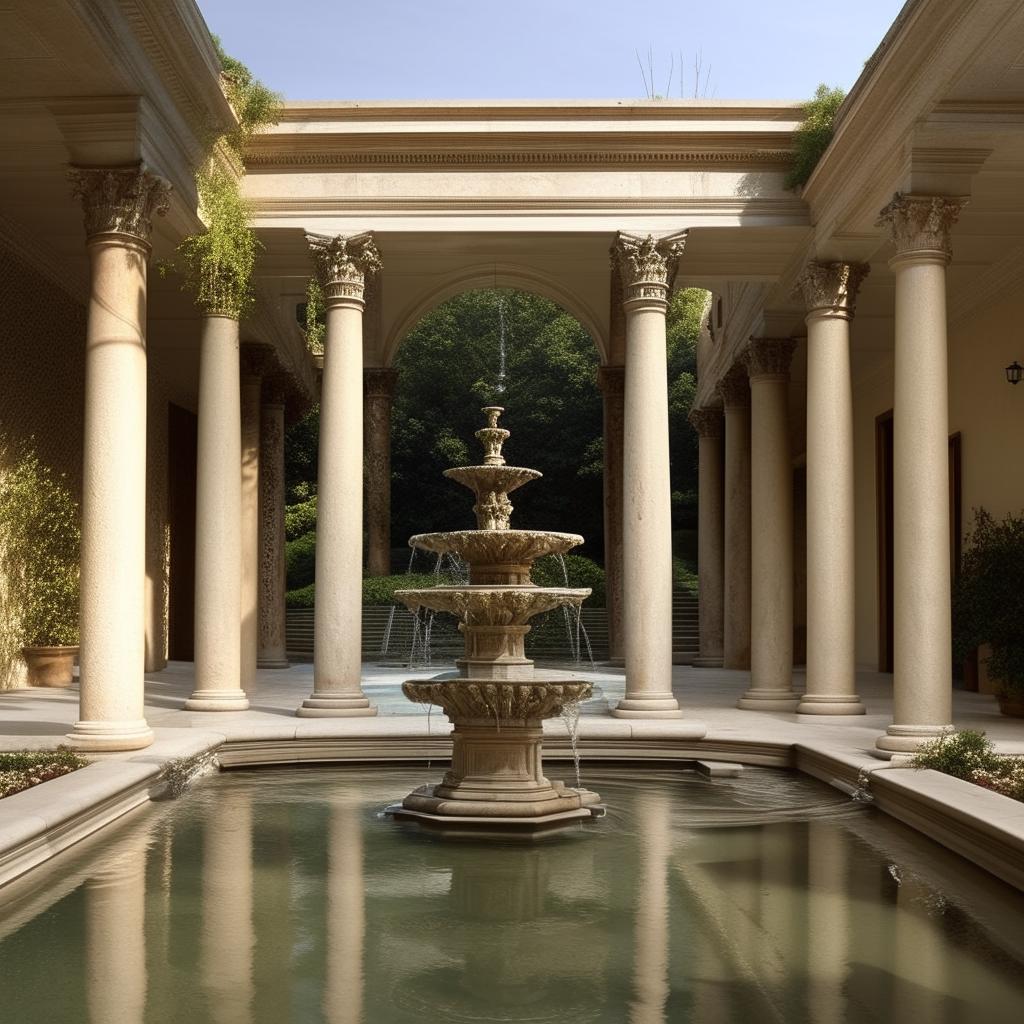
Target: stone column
771,546
118,205
379,390
734,389
218,605
710,525
272,566
830,292
342,265
922,671
646,267
254,363
611,380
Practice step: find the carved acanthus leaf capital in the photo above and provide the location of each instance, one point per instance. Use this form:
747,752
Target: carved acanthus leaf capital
120,200
734,387
921,224
277,387
343,264
831,286
256,359
769,357
379,382
707,421
647,267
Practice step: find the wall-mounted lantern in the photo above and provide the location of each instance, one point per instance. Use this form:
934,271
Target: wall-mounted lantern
1014,372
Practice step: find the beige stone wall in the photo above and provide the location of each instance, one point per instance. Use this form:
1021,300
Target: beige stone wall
42,357
986,411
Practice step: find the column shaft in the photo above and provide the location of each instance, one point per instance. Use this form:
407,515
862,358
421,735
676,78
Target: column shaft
922,676
710,527
218,603
118,205
337,618
771,548
735,392
272,565
611,380
830,293
379,391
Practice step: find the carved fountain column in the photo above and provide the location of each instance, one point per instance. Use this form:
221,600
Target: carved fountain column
342,265
118,204
379,393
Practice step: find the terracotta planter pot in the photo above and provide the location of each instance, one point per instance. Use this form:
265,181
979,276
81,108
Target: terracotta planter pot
50,666
1012,707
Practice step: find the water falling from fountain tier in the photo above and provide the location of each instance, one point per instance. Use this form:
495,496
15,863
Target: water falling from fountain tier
496,700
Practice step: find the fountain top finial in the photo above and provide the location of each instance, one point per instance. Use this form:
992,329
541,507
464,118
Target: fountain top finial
492,437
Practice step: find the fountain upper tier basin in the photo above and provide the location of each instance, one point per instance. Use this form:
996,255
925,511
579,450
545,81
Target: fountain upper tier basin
495,547
492,606
500,479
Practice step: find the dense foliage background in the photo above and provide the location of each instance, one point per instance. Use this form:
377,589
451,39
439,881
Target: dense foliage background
448,368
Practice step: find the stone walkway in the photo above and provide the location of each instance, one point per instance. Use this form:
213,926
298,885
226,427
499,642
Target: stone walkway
39,718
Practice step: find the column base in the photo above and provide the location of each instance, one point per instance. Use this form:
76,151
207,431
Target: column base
709,662
274,663
99,736
826,704
657,705
899,743
769,700
217,700
321,706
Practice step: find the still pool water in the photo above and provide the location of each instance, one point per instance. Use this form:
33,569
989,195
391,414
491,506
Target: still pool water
286,895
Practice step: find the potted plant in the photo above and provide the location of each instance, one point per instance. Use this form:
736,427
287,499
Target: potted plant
40,539
988,603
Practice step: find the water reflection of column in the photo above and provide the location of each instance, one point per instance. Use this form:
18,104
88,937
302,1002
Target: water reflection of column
115,938
227,939
346,917
828,926
650,949
920,966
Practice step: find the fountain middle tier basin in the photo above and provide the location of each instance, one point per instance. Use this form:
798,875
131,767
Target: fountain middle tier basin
500,479
492,605
497,556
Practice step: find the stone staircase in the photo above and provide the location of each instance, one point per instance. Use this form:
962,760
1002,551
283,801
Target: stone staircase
548,641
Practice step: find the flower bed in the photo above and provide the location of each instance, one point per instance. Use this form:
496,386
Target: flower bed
971,756
23,769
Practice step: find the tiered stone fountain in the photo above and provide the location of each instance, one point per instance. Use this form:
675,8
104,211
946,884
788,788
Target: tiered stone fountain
495,700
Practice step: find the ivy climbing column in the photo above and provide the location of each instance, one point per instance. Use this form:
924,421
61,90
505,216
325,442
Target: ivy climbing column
380,392
272,565
118,204
342,265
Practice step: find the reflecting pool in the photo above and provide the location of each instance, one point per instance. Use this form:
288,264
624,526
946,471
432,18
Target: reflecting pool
286,895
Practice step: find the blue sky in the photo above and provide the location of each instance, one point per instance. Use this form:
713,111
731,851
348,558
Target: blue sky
557,49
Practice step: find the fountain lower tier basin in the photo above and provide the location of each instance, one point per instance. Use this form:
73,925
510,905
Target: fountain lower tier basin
497,556
509,605
497,774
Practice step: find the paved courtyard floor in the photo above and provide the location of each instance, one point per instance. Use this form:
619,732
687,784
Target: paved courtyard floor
39,718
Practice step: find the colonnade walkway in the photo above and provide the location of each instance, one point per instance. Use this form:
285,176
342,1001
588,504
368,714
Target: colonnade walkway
40,718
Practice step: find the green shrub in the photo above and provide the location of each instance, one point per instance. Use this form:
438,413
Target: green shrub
381,589
684,575
23,769
970,756
301,597
40,539
300,519
300,557
582,572
811,139
988,598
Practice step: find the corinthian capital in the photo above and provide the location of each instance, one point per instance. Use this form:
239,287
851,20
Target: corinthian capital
734,387
831,286
343,264
768,358
648,267
119,200
379,382
921,224
707,421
